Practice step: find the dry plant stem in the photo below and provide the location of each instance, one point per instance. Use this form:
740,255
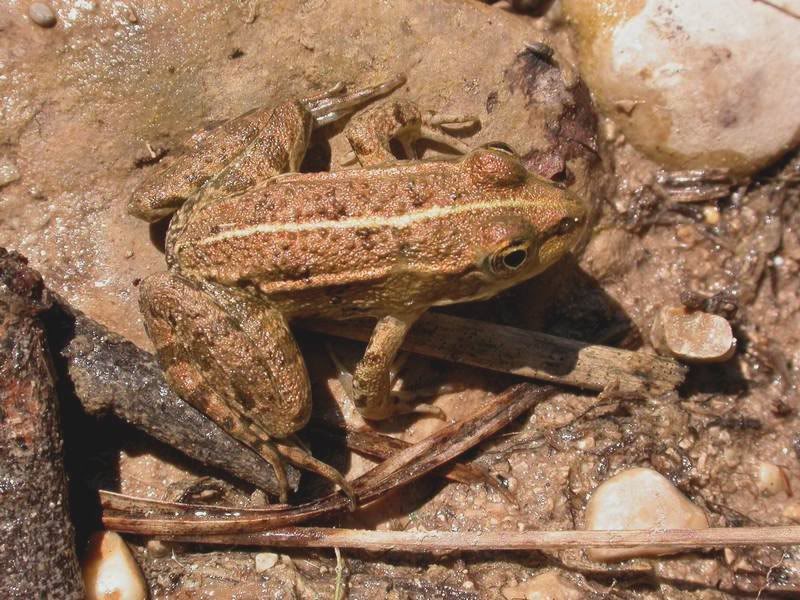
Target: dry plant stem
378,445
150,517
527,353
444,541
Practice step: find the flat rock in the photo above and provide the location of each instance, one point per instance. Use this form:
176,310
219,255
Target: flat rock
692,336
639,498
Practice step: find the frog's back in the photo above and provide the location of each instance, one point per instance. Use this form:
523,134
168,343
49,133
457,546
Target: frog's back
341,244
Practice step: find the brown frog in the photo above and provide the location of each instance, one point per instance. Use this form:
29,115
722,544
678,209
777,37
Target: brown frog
255,244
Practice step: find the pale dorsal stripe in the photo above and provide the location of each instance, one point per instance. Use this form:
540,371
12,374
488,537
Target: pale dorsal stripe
376,222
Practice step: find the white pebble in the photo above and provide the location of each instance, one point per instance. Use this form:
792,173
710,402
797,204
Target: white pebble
694,85
265,561
639,499
692,336
41,14
109,570
771,479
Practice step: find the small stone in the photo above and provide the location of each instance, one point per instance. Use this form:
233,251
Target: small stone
771,479
41,14
109,570
157,548
9,172
711,215
639,498
693,336
265,561
547,586
792,512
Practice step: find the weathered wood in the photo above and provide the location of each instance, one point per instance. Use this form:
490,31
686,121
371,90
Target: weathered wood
151,517
467,541
37,538
527,353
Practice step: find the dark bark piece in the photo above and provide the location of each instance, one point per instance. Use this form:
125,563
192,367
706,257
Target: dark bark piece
37,538
114,376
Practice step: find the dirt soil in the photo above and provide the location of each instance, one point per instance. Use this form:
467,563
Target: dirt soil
93,104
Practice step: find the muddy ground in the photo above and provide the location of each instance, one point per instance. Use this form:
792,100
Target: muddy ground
91,105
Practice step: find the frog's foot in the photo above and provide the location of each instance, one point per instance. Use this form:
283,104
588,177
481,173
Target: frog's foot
335,103
395,401
294,452
371,131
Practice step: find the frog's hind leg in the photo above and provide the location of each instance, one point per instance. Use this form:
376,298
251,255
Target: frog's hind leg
235,361
371,131
243,151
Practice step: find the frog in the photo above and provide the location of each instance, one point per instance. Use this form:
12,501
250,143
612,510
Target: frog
254,244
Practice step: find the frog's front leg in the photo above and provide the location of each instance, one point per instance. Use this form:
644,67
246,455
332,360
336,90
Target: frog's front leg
237,362
372,381
371,131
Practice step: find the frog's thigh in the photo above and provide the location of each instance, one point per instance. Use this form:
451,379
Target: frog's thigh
371,379
250,379
370,131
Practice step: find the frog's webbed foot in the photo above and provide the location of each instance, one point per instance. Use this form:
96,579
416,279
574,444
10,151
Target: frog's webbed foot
236,362
335,103
371,132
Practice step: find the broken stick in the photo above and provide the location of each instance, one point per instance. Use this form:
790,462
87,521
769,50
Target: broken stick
527,353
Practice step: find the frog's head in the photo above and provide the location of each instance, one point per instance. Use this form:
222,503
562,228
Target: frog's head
531,224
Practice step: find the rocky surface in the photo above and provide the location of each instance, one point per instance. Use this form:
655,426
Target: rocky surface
639,499
90,106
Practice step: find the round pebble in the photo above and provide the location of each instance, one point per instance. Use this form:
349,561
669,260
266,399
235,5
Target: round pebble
692,336
265,561
771,479
639,499
41,14
694,85
109,570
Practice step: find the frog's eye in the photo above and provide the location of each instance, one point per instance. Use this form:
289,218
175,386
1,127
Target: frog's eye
509,259
501,147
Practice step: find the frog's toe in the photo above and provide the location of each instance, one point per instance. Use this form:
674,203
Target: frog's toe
408,402
433,125
294,453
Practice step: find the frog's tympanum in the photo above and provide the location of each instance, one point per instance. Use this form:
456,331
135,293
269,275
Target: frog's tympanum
254,244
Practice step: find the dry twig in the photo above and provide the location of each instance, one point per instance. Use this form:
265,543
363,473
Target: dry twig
527,353
466,541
